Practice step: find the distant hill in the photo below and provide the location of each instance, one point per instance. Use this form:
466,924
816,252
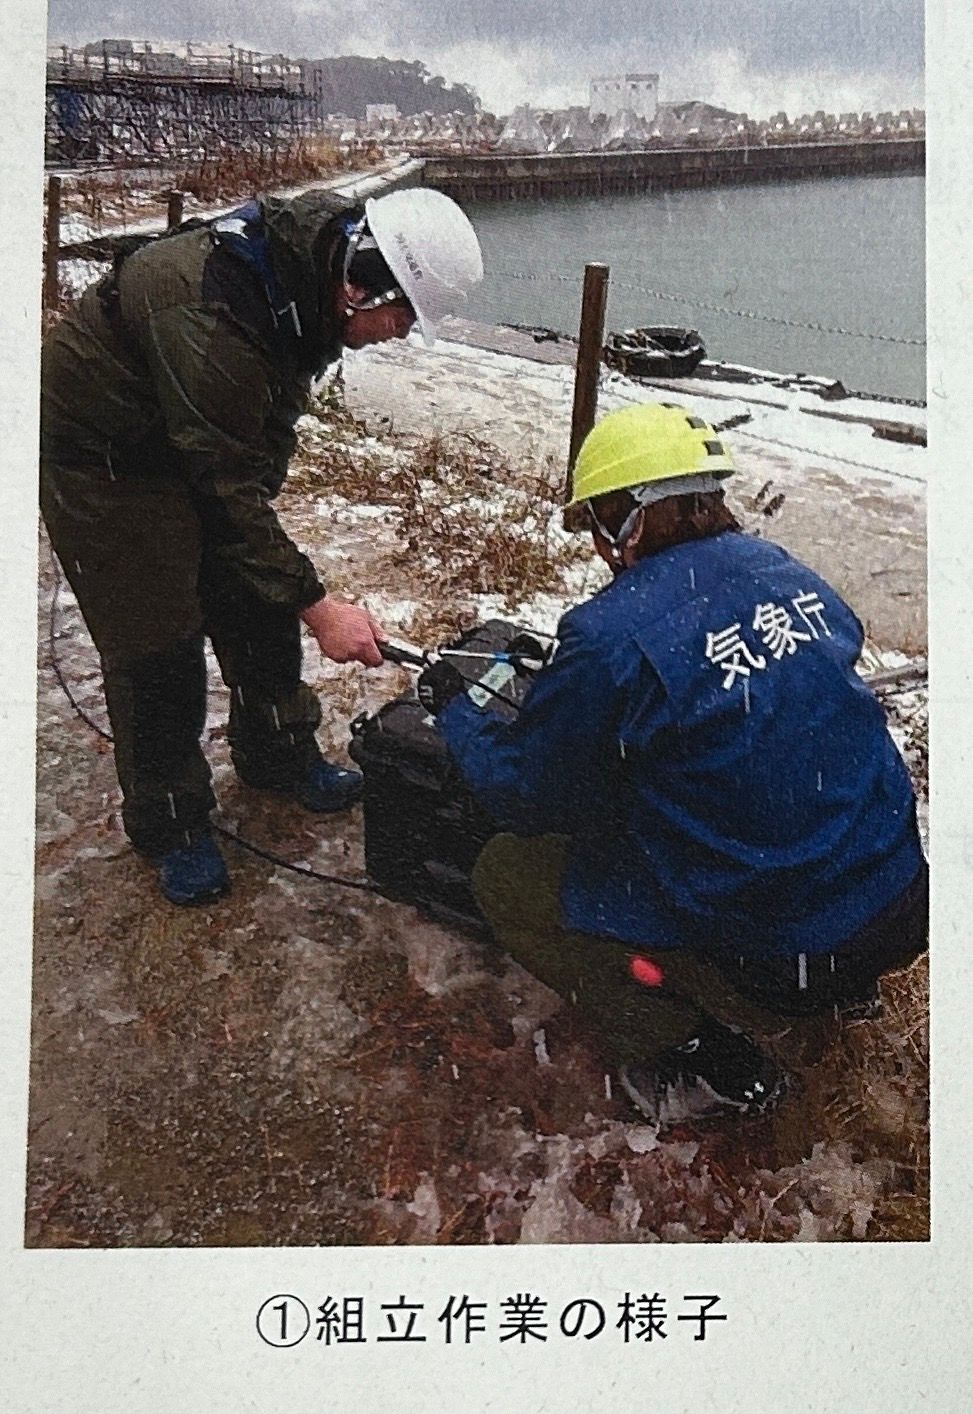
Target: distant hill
349,81
696,111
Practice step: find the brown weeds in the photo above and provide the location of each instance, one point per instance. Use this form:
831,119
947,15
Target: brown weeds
467,520
871,1090
110,199
233,172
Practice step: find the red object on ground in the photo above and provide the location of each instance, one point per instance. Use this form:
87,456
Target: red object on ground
650,974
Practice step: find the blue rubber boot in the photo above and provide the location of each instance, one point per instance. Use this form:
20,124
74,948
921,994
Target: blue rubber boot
326,787
194,873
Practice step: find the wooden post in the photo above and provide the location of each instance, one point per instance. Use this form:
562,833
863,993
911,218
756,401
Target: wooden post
591,337
174,210
52,248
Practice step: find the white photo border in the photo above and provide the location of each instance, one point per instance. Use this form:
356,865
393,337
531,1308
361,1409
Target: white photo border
880,1327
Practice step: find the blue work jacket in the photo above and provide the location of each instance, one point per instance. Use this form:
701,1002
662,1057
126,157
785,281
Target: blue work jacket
725,777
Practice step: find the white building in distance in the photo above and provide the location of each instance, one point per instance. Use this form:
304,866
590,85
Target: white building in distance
376,113
627,93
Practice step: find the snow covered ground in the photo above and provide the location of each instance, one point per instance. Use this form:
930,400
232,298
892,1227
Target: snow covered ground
308,1064
854,504
138,210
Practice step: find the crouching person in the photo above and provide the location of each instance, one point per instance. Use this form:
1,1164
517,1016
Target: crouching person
713,832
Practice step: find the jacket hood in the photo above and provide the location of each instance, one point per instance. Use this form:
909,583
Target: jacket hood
303,232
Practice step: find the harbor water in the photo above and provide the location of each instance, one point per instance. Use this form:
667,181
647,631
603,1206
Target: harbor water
845,253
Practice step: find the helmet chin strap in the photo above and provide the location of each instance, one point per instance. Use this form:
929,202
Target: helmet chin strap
360,239
627,529
391,296
617,542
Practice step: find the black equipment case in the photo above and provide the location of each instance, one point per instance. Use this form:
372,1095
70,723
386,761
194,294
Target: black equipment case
423,829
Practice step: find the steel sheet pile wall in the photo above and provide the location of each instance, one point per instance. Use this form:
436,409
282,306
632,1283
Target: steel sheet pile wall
612,173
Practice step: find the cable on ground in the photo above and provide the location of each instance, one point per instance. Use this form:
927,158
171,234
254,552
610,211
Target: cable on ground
363,885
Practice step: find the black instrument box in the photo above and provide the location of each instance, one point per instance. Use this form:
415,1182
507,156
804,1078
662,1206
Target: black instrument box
423,829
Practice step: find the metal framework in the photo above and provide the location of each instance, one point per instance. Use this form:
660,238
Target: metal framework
140,106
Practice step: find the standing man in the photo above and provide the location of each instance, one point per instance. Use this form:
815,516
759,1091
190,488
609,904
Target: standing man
169,398
713,828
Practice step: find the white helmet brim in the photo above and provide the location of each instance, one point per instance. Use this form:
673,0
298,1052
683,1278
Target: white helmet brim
431,248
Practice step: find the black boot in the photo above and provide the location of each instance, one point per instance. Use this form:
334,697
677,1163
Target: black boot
718,1070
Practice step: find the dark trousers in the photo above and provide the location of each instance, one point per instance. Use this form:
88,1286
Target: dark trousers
151,590
517,883
813,982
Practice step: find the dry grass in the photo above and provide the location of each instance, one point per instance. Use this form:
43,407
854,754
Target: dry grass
87,195
476,524
466,519
871,1091
754,512
107,200
338,458
917,747
233,172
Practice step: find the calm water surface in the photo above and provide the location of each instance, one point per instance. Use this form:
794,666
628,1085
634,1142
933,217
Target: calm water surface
845,252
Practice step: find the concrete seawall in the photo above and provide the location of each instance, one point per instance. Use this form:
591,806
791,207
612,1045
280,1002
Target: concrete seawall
505,178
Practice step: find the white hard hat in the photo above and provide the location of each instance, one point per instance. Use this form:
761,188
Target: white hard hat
430,247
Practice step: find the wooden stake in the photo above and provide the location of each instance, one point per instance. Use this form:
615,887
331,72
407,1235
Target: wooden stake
174,212
52,248
591,337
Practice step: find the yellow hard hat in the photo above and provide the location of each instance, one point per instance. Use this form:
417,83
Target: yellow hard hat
649,442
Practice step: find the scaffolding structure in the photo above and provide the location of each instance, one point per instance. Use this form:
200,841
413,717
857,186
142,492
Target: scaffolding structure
130,102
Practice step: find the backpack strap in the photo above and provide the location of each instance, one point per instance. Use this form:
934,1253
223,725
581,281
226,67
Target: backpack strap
244,234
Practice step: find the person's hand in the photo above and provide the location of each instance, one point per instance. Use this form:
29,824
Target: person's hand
438,685
526,646
346,633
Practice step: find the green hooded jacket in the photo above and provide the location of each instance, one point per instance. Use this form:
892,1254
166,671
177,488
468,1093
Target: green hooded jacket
193,359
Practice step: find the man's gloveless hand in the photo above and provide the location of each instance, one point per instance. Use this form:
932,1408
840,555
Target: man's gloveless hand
346,633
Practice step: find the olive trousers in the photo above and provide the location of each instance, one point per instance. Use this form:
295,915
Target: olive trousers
517,883
151,588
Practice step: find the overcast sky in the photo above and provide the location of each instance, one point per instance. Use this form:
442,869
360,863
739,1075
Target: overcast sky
757,55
